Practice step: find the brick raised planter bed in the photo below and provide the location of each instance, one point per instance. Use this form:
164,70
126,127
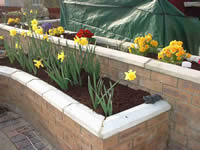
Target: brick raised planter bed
179,86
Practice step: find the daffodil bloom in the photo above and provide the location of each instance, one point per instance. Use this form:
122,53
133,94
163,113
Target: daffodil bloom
1,37
29,33
83,41
34,27
130,75
31,11
61,56
23,34
11,20
24,13
17,46
13,32
38,63
46,37
17,20
77,39
39,31
34,22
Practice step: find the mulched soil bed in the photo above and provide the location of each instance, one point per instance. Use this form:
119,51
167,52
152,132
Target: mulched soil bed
124,97
3,110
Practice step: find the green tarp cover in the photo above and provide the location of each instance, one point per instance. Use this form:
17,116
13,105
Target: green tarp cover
127,19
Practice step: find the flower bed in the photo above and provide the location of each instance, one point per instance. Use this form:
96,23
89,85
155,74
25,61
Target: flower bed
179,86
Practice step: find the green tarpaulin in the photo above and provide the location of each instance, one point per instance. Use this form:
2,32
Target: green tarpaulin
127,19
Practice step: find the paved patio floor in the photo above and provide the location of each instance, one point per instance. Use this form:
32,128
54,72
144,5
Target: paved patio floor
17,134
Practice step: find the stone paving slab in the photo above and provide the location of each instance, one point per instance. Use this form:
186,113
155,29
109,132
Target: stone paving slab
17,134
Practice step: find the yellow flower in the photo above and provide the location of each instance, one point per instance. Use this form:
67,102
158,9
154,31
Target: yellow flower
13,32
38,63
23,34
160,55
61,56
83,41
45,37
39,31
130,75
129,50
34,22
51,32
60,30
1,37
36,12
11,20
132,46
31,11
24,14
29,33
188,55
154,43
178,58
34,27
146,47
142,49
17,20
76,39
17,46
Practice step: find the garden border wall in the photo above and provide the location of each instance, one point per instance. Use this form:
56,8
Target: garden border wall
179,86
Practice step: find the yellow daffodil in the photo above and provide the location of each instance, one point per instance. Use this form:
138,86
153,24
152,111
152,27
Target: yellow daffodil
76,39
13,32
24,14
36,12
17,46
39,31
61,56
83,41
130,75
23,34
31,11
34,27
1,37
129,50
38,63
34,22
29,33
46,37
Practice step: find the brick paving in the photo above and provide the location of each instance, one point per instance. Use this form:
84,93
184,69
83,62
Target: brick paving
17,134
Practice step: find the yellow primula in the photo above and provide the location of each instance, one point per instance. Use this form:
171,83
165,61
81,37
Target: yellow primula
17,20
51,32
13,32
38,63
61,56
130,75
60,30
11,21
188,55
1,37
154,43
34,22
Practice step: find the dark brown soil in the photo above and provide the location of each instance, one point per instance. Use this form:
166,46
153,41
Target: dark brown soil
3,110
124,97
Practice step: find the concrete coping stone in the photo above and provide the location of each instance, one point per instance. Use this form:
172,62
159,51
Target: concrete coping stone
95,123
148,63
